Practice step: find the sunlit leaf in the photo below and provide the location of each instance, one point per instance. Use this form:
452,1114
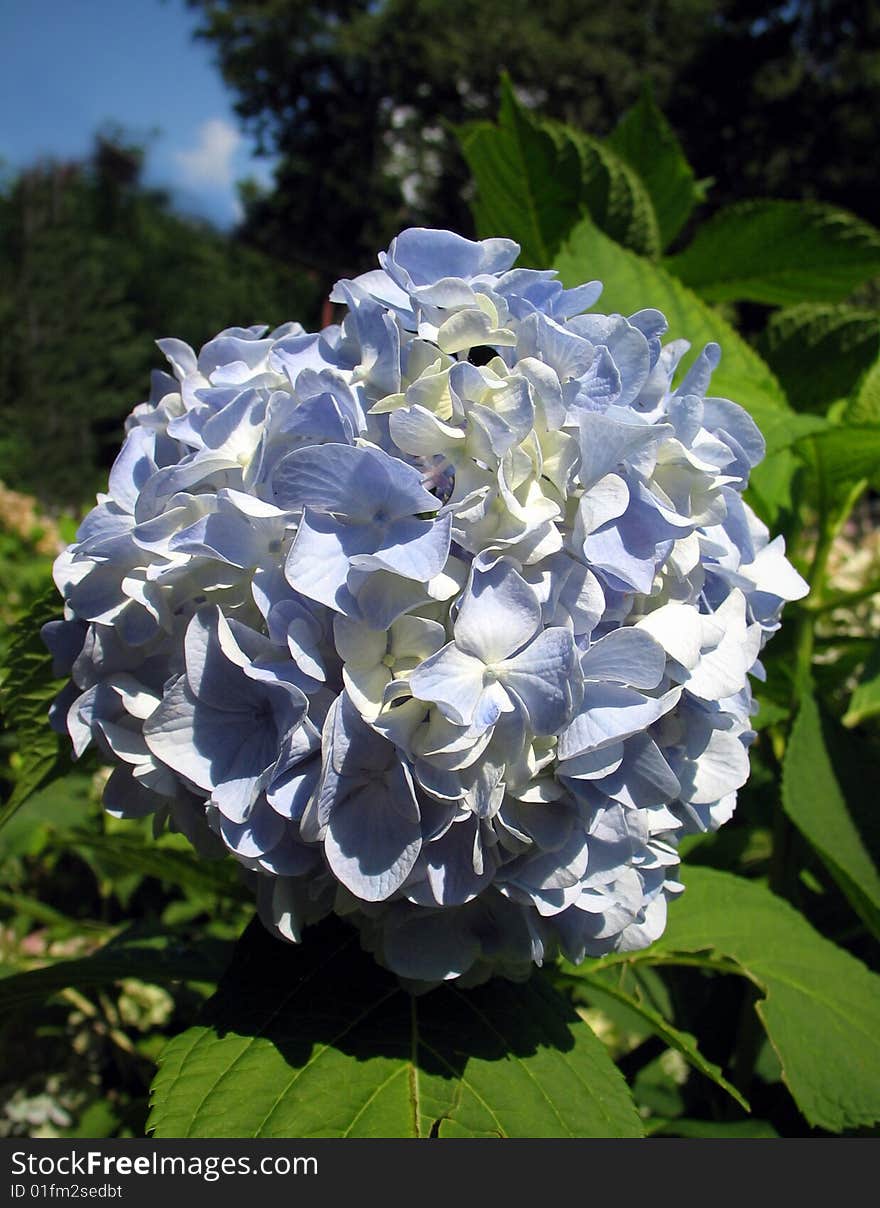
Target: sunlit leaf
646,141
535,178
779,252
813,800
820,1006
318,1041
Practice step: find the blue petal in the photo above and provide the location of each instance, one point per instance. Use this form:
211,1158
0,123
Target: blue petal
500,612
453,680
373,840
611,712
544,678
365,485
415,549
420,256
625,656
318,562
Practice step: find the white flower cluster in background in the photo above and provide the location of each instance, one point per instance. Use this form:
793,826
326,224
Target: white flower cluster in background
441,618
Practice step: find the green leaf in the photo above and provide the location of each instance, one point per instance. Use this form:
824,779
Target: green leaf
318,1041
812,798
780,253
722,1129
535,179
865,407
646,141
769,714
41,912
219,878
820,352
156,958
847,454
821,1006
27,691
613,195
528,184
632,283
599,989
865,700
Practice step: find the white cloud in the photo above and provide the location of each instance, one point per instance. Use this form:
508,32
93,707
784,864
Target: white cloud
209,163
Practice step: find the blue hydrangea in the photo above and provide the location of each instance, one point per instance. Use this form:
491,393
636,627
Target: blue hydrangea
441,618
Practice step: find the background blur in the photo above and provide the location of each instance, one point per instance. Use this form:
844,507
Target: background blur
172,168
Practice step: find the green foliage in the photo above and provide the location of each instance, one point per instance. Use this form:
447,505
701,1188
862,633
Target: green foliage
864,407
365,90
820,352
813,800
646,141
151,958
722,1130
528,183
820,1006
93,268
27,689
601,990
535,179
320,1042
865,701
848,453
372,92
779,252
122,853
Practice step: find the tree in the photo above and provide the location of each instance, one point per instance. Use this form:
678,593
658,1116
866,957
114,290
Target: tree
356,97
94,268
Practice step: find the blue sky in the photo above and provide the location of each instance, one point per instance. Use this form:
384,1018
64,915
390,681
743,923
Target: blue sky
68,67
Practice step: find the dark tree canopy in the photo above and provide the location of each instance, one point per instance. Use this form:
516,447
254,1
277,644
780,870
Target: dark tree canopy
356,98
94,268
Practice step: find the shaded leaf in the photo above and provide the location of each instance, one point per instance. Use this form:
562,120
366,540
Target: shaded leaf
865,406
182,868
813,800
318,1041
821,1006
721,1129
780,253
613,195
599,989
865,700
158,959
847,454
27,690
820,352
646,141
41,912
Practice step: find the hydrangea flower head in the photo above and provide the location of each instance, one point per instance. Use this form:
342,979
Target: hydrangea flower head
441,618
